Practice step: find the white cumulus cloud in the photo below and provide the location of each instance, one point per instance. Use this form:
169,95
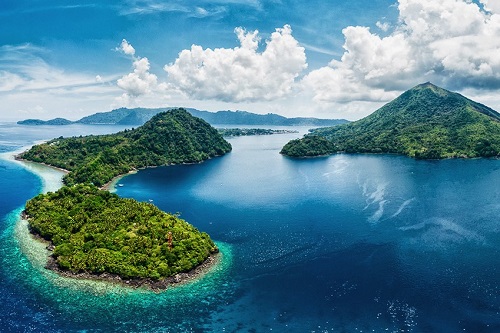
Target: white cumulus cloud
454,43
240,74
384,26
140,81
126,48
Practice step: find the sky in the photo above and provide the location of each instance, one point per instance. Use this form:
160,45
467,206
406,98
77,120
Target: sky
316,58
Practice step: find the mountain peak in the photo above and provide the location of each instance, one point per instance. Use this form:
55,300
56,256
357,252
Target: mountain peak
429,87
431,99
424,122
427,84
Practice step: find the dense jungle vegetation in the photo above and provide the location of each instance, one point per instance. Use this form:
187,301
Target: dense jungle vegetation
95,231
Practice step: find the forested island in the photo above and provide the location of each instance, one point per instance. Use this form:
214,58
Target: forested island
93,231
96,234
37,122
171,137
425,122
228,132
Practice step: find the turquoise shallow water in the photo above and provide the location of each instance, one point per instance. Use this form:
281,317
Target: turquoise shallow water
346,243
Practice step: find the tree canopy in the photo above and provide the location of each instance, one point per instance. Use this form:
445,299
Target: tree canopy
95,231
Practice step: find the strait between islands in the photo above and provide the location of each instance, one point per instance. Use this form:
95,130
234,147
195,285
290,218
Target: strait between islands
95,234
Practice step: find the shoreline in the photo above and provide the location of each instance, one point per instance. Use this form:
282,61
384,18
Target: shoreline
177,280
173,281
51,178
111,185
24,161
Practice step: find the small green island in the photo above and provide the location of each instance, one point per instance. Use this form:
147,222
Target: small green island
95,234
93,231
425,122
230,132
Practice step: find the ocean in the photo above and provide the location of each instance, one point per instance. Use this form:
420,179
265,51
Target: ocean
345,243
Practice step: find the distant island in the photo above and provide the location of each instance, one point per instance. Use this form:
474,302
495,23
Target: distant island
229,132
55,121
425,122
138,116
96,234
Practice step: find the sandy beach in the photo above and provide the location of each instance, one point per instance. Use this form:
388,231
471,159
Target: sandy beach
111,185
51,177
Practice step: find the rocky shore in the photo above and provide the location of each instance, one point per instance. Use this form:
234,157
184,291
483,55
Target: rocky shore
154,285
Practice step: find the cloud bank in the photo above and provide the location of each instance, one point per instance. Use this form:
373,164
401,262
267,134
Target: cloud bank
242,73
454,43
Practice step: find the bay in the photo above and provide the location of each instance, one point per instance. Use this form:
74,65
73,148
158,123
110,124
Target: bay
345,243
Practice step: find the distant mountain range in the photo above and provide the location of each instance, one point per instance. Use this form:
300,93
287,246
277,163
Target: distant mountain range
425,122
139,116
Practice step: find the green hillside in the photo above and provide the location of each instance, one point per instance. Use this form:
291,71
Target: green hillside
170,137
94,231
425,122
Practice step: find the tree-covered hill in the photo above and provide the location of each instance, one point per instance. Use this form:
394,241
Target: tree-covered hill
55,121
94,231
170,137
424,122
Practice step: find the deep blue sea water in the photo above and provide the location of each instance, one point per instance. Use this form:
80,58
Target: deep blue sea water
346,243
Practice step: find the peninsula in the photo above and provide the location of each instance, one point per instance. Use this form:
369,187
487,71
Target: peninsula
425,122
171,137
96,234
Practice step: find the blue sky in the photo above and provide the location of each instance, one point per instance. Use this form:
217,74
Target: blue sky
330,59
